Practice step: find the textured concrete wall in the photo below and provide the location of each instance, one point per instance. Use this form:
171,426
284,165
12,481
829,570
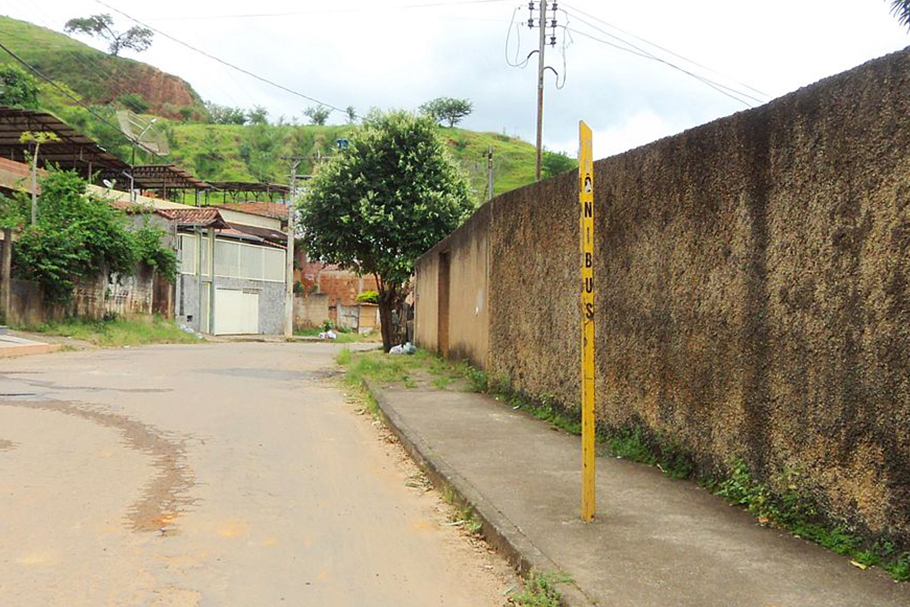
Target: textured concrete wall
752,291
468,250
271,301
92,298
311,310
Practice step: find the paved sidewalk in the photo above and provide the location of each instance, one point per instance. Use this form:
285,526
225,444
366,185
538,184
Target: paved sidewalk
656,542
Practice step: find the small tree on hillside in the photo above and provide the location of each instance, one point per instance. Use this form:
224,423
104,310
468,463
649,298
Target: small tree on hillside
351,114
101,26
317,114
447,109
18,88
382,202
258,115
555,163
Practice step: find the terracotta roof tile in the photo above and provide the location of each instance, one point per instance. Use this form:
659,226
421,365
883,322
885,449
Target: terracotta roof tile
274,210
206,217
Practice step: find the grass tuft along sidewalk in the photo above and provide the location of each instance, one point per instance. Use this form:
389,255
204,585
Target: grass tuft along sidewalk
117,333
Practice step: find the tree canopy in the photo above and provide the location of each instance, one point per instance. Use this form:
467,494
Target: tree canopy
18,88
318,114
78,236
447,109
101,26
901,10
383,201
554,163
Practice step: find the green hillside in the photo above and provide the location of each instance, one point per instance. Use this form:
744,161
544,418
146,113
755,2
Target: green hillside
96,77
253,152
217,152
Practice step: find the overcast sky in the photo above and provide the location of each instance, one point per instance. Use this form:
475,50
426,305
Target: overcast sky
396,53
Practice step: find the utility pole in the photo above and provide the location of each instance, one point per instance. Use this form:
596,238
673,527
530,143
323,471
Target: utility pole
293,162
490,173
540,70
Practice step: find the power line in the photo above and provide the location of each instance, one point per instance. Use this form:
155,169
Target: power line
41,75
721,88
666,50
223,62
717,87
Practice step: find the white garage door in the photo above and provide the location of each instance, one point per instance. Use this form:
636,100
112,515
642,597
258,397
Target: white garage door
236,312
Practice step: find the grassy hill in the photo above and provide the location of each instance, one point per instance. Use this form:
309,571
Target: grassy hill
96,77
252,153
216,152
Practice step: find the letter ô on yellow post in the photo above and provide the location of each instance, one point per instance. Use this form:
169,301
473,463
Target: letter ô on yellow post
586,203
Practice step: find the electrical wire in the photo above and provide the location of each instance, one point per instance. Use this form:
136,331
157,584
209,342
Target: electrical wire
566,34
228,64
666,50
730,92
520,65
89,109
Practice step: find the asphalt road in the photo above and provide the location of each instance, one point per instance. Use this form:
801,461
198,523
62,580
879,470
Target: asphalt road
215,475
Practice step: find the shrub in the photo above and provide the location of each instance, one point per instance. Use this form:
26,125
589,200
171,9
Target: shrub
368,297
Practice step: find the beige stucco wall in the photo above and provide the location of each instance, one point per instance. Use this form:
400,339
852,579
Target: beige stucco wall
469,293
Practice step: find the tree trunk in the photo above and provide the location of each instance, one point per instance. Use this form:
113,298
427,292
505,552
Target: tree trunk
385,321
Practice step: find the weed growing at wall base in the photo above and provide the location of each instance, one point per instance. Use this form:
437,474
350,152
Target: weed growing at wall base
541,589
791,510
788,508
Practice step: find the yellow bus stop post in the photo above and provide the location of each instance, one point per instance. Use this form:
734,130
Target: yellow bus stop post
586,200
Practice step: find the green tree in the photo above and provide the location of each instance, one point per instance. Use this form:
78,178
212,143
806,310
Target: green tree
101,26
223,114
317,114
901,10
149,251
447,109
12,212
351,114
382,202
554,163
258,115
76,236
18,88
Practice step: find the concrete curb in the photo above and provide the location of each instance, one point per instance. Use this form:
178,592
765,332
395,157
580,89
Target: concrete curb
500,532
28,350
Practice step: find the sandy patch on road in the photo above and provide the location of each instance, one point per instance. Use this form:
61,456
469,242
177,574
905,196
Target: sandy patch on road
491,577
165,496
7,445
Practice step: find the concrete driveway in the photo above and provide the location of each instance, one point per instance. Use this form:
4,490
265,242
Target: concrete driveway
217,474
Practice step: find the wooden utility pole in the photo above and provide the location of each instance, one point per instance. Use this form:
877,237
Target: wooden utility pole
540,71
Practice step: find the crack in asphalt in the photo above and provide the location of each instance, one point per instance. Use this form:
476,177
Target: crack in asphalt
165,496
41,383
